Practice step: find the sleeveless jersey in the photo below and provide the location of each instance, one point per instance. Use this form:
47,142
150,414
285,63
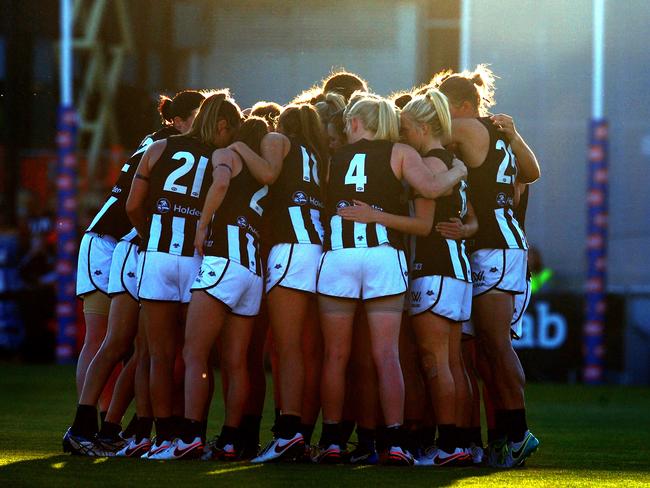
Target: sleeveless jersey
520,211
112,219
491,189
362,171
435,255
178,185
234,230
295,199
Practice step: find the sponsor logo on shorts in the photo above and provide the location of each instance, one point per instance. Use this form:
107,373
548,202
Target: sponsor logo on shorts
241,221
116,189
299,198
163,206
478,278
494,269
416,296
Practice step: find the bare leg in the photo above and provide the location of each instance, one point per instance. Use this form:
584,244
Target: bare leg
312,349
236,338
162,325
96,326
493,315
122,328
432,334
384,336
287,310
205,319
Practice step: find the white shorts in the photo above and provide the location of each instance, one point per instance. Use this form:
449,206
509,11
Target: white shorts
521,304
94,264
166,277
499,269
124,270
364,272
231,283
293,266
441,295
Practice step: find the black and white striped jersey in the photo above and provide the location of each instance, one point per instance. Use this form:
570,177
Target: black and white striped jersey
362,171
435,255
112,219
491,190
234,230
295,201
178,185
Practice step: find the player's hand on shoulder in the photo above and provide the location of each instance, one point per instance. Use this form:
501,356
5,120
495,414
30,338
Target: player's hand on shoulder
505,124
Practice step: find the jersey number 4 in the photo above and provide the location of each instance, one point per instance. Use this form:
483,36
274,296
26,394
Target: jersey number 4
171,183
509,161
356,174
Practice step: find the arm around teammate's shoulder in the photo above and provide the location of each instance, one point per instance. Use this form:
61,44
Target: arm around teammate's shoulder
265,167
410,167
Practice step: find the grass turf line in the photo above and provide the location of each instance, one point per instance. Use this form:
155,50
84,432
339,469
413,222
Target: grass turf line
589,436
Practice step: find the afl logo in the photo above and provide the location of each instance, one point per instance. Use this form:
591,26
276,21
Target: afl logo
502,199
242,222
299,198
163,206
342,204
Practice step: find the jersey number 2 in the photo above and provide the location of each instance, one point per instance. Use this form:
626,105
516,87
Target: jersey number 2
356,174
171,183
509,160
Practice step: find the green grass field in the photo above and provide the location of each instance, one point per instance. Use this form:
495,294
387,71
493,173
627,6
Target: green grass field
590,436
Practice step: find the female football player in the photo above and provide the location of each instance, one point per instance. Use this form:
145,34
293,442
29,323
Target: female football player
366,261
497,156
226,297
177,114
164,205
294,163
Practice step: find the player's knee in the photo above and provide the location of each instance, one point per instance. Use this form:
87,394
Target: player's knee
428,363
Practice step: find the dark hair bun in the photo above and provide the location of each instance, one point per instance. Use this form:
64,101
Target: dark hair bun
477,79
165,108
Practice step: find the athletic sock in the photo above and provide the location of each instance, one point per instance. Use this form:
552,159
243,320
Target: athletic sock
229,435
475,436
191,430
287,426
143,428
307,431
382,439
85,421
517,425
394,436
274,429
502,420
427,436
164,429
447,437
177,426
347,427
367,437
130,428
463,437
330,434
109,430
204,429
102,416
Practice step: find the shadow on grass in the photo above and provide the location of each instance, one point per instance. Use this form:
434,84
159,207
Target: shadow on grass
68,471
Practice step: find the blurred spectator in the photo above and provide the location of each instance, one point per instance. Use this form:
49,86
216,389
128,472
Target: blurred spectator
539,275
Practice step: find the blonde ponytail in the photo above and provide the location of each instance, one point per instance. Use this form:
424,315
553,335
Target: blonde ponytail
377,115
431,108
